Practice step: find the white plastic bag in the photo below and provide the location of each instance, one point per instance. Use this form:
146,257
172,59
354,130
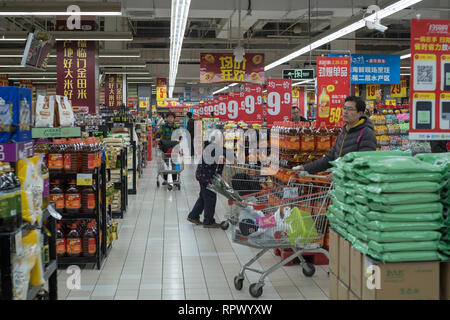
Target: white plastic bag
45,111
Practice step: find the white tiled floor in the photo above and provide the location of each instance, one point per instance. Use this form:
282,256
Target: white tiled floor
160,255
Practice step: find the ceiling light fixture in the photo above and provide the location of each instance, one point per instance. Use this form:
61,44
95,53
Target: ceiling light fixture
405,56
139,78
60,13
179,15
303,82
383,13
44,78
123,65
225,88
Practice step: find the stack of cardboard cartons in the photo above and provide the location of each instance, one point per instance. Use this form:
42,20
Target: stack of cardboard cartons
354,276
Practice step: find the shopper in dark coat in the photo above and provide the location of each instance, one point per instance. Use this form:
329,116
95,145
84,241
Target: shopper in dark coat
207,199
357,135
190,129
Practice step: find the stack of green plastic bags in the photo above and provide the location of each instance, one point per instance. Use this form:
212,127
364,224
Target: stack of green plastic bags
442,159
388,205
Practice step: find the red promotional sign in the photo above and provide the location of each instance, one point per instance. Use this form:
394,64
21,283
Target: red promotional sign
76,73
253,99
195,112
234,106
430,80
113,90
201,110
279,99
222,67
333,87
222,107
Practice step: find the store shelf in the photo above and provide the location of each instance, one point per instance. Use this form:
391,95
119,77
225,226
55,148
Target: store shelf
77,260
33,291
68,216
69,132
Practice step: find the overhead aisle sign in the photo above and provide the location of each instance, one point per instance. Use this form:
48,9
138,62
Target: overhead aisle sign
333,87
430,80
279,100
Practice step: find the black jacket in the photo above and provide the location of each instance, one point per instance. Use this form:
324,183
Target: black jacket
190,127
348,141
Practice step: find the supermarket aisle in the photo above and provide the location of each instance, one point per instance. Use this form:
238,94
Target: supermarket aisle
159,255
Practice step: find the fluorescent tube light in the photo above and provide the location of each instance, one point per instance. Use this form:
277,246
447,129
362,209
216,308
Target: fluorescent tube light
303,82
139,78
31,73
60,13
179,15
405,56
123,66
98,39
119,56
126,72
383,13
405,67
32,78
11,55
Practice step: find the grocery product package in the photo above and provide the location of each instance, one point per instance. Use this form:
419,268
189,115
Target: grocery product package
399,164
34,238
32,187
401,236
349,157
302,228
403,246
66,117
45,111
367,176
15,114
403,217
405,256
404,208
375,201
21,269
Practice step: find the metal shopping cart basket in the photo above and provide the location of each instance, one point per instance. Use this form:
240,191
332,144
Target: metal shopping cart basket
291,217
247,178
170,163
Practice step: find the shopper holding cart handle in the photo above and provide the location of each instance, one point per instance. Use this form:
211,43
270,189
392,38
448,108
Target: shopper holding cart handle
357,135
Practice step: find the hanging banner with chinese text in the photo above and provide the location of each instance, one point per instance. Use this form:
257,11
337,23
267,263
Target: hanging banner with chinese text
161,92
279,100
430,80
333,87
222,67
76,73
253,112
113,90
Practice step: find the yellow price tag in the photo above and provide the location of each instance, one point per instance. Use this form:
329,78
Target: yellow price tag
391,102
371,91
84,179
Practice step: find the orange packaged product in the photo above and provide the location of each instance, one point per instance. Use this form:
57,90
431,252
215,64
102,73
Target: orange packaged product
72,198
56,156
308,139
73,242
323,139
57,195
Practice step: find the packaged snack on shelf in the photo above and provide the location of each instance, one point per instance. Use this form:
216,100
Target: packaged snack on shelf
32,188
45,111
15,114
381,130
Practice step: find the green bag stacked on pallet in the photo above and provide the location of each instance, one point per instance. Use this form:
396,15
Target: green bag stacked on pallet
388,204
442,159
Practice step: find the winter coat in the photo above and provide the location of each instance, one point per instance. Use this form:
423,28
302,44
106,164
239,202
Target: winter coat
360,137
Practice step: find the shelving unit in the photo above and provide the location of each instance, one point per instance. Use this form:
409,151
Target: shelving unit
7,247
122,185
99,216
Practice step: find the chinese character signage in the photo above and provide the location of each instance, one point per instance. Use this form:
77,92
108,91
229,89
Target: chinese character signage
430,80
333,86
279,100
222,67
253,107
161,92
298,74
375,69
76,73
113,90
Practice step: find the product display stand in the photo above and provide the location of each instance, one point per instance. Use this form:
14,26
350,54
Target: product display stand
99,215
8,246
122,184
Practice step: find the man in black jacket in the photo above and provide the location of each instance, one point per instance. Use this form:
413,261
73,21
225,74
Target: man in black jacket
190,129
357,135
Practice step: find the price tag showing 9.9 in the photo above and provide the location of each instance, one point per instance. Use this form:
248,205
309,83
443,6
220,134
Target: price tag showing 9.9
233,106
279,100
253,104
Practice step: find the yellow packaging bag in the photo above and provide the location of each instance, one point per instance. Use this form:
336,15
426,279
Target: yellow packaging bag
32,187
37,272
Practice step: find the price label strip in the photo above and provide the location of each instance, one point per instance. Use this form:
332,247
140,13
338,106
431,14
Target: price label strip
84,179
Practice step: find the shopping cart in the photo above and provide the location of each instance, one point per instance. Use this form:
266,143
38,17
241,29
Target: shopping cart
247,178
292,217
170,163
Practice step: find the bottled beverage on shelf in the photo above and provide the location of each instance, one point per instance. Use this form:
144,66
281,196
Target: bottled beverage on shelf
88,202
8,209
71,157
57,195
73,242
89,156
60,241
323,138
46,190
56,156
72,198
307,139
324,104
89,241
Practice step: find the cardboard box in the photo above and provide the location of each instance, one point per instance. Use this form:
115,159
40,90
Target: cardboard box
343,291
401,281
334,252
333,286
353,296
445,281
356,261
344,261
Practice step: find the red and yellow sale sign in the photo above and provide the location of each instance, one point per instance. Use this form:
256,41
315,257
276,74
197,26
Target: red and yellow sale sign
279,100
222,67
253,108
333,86
430,80
161,92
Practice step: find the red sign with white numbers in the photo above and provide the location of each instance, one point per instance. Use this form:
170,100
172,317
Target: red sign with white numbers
222,107
235,100
253,100
279,99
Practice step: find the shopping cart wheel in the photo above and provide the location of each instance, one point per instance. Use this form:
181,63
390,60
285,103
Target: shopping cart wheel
309,269
157,183
255,290
179,187
238,282
169,187
224,225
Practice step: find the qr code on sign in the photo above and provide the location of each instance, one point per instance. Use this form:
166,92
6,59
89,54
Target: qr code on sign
424,74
